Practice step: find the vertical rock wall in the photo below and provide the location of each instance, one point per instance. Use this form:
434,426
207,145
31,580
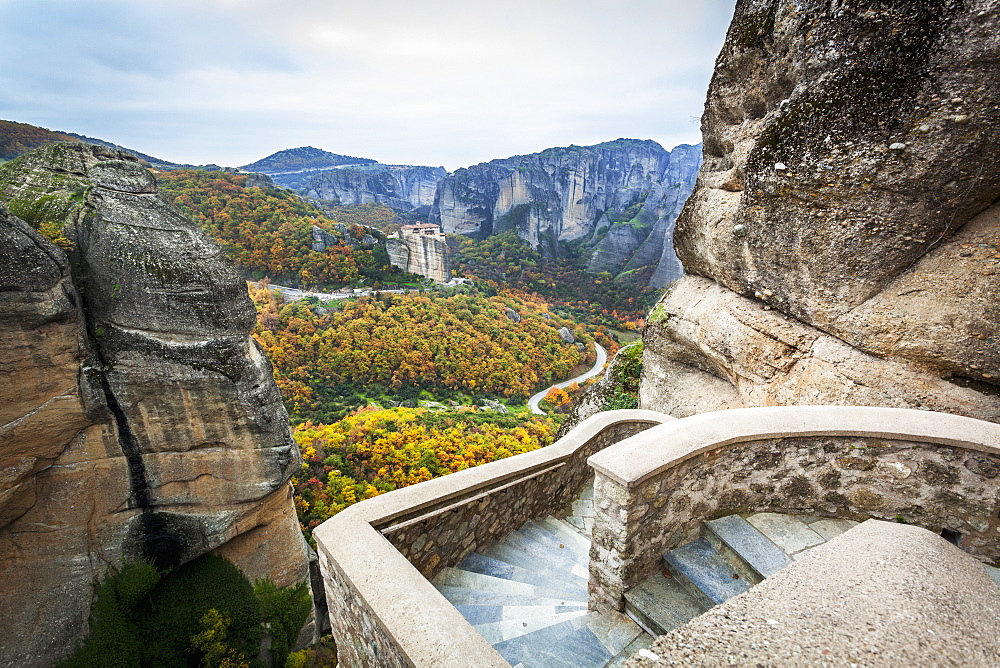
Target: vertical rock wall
422,250
138,419
843,240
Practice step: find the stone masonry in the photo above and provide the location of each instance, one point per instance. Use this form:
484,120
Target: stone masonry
444,536
934,486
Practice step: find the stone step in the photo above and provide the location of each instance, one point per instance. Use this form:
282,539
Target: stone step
485,565
749,550
583,507
459,578
705,573
614,630
567,645
585,525
587,492
660,604
539,533
468,596
644,641
548,549
789,533
828,528
567,576
496,632
485,614
567,533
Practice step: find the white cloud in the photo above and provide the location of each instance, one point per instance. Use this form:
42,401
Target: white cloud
438,82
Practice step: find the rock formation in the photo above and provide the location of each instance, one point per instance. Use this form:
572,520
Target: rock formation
622,197
842,242
421,249
138,419
400,186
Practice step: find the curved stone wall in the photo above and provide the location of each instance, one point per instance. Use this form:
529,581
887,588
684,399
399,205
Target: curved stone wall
376,556
654,490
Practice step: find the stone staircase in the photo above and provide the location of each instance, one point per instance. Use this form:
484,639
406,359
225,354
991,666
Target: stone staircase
733,554
527,595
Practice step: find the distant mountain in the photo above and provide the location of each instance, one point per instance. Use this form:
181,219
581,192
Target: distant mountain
292,167
615,203
153,161
17,138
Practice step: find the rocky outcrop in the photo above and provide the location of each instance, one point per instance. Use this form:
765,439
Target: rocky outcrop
399,186
421,249
842,240
621,196
138,418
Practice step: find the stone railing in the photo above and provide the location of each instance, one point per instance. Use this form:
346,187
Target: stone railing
653,490
377,556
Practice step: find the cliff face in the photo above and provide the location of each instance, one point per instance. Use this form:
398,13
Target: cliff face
565,194
421,250
399,186
138,419
842,240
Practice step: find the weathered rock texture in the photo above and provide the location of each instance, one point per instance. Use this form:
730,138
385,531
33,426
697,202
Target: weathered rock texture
138,419
578,192
399,186
843,236
421,249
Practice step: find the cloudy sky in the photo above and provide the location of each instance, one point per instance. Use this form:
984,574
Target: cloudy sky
439,82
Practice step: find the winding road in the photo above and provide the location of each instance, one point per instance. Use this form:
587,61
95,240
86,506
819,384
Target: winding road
602,357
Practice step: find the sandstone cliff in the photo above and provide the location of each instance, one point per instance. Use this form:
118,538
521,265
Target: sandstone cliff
421,249
138,419
619,197
842,241
399,186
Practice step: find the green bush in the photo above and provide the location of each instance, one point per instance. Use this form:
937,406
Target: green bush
284,612
204,613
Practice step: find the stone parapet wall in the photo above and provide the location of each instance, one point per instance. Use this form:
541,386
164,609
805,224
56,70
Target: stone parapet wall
376,556
653,491
444,534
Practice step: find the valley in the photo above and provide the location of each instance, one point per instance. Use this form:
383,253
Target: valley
387,378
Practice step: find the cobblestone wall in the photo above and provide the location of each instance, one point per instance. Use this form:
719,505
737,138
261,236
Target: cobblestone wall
362,639
442,536
933,486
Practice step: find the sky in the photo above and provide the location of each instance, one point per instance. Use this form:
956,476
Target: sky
436,82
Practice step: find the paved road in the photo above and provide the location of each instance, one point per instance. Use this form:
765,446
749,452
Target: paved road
602,357
294,294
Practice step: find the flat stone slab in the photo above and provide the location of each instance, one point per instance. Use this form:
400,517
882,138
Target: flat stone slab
467,596
831,528
754,548
714,579
644,641
565,645
496,632
882,594
662,604
567,534
614,630
789,533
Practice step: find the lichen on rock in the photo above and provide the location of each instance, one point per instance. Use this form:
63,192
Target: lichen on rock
143,419
824,265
